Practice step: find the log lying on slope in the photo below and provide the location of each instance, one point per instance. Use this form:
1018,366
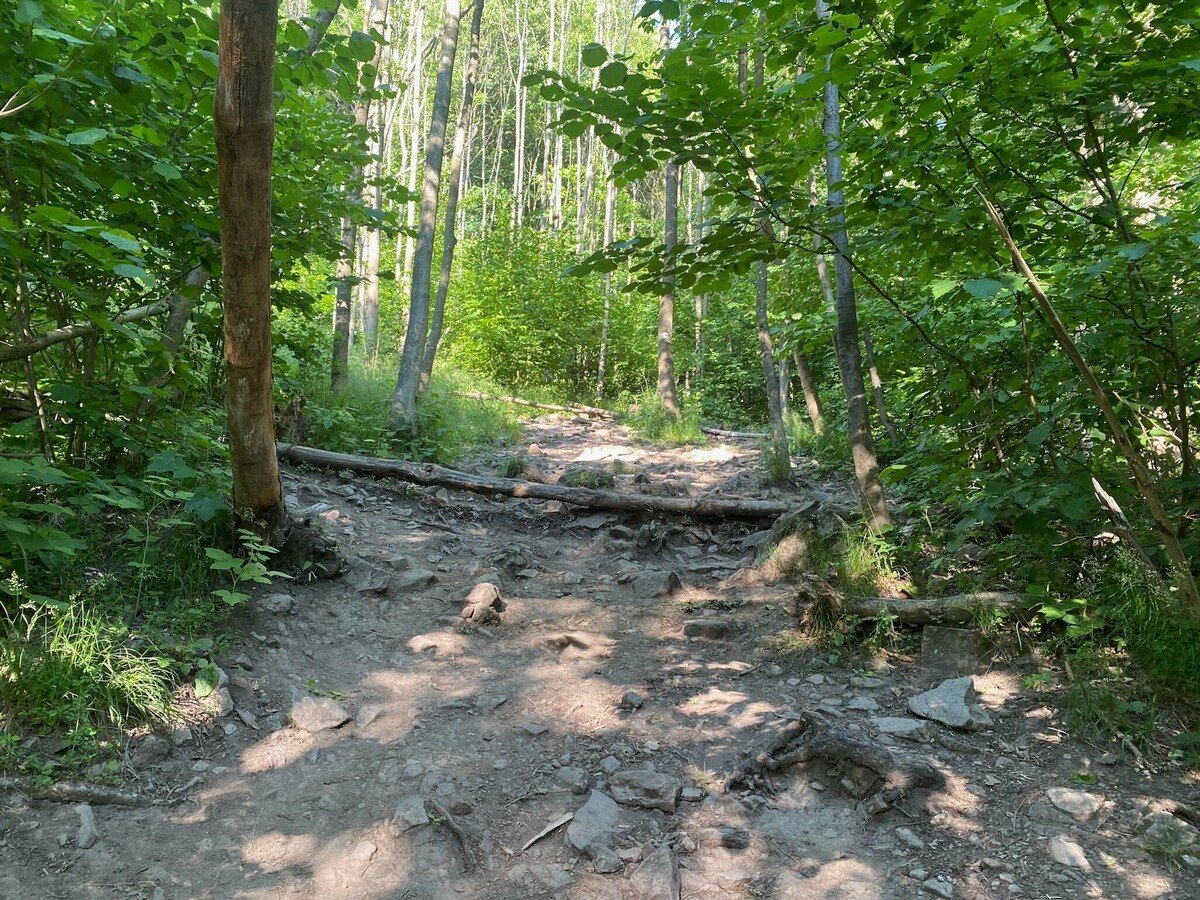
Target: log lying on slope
745,435
432,475
577,409
957,609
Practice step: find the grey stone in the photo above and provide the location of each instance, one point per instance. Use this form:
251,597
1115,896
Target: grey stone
1041,811
908,729
368,714
88,835
326,803
646,789
692,794
575,779
606,861
279,604
1079,805
706,629
410,813
817,679
656,584
413,579
657,878
1161,832
953,651
363,851
572,578
610,764
938,888
151,751
370,580
315,714
863,704
220,701
534,729
592,828
909,838
631,700
1066,852
952,703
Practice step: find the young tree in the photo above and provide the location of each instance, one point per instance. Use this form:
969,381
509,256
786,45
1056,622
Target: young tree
667,391
402,415
244,118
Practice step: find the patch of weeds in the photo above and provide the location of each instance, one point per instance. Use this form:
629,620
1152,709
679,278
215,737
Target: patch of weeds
884,635
775,462
866,566
648,419
314,688
1104,704
513,466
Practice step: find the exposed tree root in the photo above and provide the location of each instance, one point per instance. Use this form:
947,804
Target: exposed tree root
882,777
76,792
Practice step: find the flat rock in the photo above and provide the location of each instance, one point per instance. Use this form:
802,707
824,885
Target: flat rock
150,751
863,704
646,789
410,813
413,579
1066,852
1161,832
938,888
657,878
952,703
907,729
313,714
278,604
656,584
1079,805
592,828
368,714
707,629
909,838
370,580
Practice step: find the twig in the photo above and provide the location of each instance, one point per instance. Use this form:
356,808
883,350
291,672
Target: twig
457,830
77,792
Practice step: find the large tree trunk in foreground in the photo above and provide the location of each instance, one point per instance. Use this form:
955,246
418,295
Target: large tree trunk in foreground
449,236
438,476
244,117
866,463
402,416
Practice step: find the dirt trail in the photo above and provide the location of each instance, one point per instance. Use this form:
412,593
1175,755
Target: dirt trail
594,672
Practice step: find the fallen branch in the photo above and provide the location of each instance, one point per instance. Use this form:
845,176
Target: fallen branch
10,352
744,435
573,408
883,776
75,792
459,833
958,609
432,475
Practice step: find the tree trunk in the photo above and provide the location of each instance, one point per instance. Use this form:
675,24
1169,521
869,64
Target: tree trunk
866,463
610,225
808,384
877,384
667,391
449,236
403,413
244,119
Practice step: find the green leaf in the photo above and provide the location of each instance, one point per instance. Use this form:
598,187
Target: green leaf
167,171
29,11
983,288
86,137
613,75
122,241
594,55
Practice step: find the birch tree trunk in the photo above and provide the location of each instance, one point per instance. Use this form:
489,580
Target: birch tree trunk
866,463
403,413
244,120
449,237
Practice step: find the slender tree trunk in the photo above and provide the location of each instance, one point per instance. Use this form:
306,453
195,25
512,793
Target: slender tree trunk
667,391
866,463
808,384
877,384
700,300
244,119
449,238
403,413
610,224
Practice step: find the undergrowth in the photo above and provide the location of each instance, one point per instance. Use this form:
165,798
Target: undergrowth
650,421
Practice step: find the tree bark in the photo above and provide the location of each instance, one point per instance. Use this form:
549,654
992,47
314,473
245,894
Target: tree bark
610,225
244,118
439,476
667,391
808,384
449,236
402,416
877,384
866,463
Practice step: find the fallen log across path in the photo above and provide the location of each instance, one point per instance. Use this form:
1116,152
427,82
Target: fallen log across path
577,409
957,609
746,435
75,792
432,475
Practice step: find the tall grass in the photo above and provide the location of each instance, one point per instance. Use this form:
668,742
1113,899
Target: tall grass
648,419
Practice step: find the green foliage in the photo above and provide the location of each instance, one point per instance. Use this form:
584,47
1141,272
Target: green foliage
648,419
775,460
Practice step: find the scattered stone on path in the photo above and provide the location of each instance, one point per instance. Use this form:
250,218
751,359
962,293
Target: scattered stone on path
610,764
953,651
219,702
575,779
410,813
938,888
706,629
863,704
1066,852
592,828
363,851
278,604
88,835
368,714
646,789
150,751
534,729
908,729
1161,832
370,580
816,678
656,584
413,579
691,794
657,878
1079,805
952,703
606,862
631,700
483,604
314,714
572,578
909,838
591,477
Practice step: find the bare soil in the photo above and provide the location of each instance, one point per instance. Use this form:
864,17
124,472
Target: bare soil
507,726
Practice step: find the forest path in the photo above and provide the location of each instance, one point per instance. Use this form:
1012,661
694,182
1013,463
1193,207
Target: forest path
600,676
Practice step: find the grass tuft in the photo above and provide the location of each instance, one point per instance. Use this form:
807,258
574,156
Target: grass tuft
651,422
